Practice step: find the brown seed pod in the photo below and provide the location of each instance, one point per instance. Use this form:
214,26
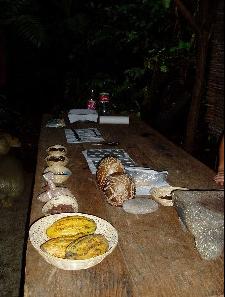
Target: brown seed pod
119,188
108,166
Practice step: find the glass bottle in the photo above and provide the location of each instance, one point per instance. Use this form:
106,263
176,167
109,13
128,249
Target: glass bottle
91,103
104,104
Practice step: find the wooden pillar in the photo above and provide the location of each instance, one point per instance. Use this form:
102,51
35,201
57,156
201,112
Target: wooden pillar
201,26
198,92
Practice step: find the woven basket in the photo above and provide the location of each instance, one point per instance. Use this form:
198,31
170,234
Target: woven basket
37,235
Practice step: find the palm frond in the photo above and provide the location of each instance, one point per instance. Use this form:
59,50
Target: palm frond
21,3
30,28
13,7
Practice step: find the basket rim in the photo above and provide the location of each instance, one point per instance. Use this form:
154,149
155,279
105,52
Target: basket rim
69,261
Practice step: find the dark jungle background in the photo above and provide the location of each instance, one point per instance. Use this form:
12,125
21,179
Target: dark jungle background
144,52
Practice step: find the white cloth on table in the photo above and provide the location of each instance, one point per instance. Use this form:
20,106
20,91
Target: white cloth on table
76,115
119,120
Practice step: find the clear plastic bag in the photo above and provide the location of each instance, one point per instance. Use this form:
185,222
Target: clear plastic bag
147,179
53,191
55,123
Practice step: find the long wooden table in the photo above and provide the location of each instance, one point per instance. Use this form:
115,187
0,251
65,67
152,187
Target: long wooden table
154,257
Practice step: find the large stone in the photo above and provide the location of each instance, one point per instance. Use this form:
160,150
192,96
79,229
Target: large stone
4,146
202,213
11,177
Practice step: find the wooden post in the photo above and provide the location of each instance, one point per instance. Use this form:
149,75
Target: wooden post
198,93
203,32
188,16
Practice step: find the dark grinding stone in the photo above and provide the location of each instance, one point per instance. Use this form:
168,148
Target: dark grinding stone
202,212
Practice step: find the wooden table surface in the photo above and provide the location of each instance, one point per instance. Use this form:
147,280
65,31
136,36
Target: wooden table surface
154,257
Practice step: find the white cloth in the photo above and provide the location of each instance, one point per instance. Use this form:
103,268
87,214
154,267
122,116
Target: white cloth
76,115
120,120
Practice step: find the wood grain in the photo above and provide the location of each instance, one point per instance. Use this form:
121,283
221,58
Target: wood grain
155,257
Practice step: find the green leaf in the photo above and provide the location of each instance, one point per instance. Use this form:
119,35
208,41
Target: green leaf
181,46
184,45
30,28
164,68
166,3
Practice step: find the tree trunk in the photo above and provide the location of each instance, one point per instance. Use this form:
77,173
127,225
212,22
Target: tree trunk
198,92
187,15
202,28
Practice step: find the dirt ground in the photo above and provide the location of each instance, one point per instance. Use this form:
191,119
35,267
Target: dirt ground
14,225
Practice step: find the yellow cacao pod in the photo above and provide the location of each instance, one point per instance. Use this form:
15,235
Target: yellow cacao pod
71,226
87,247
57,246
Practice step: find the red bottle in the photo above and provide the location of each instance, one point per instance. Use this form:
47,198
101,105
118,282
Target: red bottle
104,104
91,103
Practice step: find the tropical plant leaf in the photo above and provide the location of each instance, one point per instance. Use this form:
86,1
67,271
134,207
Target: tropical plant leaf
166,3
18,4
31,29
67,7
13,7
64,6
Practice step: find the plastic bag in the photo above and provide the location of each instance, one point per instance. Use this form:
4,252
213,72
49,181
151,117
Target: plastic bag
53,191
56,123
147,179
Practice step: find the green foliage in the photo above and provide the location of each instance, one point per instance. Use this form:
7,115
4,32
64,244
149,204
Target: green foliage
30,28
20,15
167,3
138,38
119,43
181,46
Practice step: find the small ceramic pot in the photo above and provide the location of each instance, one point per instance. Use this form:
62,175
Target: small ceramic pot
60,204
57,160
61,173
57,150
